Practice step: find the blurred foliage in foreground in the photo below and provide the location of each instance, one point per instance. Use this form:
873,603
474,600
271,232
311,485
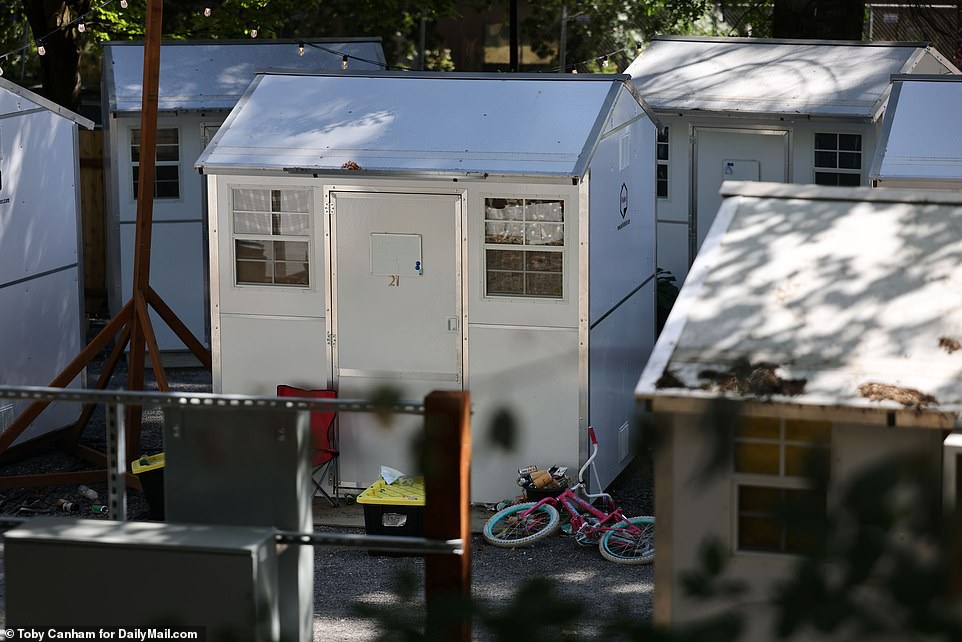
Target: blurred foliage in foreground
885,562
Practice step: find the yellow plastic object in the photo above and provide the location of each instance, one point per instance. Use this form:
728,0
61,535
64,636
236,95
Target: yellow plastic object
146,464
396,494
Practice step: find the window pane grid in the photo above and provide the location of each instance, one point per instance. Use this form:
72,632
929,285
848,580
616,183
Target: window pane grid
842,155
271,230
661,164
523,242
771,460
166,163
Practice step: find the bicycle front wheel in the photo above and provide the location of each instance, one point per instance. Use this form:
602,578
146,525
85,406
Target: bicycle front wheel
622,546
508,529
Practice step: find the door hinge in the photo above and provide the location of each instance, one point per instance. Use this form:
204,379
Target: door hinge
331,339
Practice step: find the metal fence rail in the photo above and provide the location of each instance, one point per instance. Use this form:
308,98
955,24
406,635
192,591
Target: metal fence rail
446,544
179,399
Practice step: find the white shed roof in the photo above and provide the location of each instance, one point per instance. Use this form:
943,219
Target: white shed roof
214,74
840,287
921,136
783,77
402,122
36,100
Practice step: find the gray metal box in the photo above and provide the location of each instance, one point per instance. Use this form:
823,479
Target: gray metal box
248,467
74,572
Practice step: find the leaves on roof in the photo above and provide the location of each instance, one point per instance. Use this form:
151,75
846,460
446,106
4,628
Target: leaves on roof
752,379
909,397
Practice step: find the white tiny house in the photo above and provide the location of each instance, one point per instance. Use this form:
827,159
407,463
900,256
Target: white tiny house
439,231
788,111
200,82
42,321
829,317
920,145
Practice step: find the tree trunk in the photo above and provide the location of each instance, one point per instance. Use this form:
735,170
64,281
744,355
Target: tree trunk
59,66
818,19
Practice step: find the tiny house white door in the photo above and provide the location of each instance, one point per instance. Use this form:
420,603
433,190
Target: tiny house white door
396,313
722,154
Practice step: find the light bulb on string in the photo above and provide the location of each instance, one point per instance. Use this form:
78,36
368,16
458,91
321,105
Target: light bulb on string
41,50
300,49
604,62
81,27
1,71
253,33
207,12
123,4
344,61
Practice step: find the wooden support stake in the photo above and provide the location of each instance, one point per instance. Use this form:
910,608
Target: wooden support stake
73,436
447,513
151,340
133,317
145,211
53,479
179,328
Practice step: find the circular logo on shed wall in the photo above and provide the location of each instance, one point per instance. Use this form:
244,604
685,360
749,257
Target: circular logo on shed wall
624,200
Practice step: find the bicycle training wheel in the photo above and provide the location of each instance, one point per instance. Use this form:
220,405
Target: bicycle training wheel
507,529
622,546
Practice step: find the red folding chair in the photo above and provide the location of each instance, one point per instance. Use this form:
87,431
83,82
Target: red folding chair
323,439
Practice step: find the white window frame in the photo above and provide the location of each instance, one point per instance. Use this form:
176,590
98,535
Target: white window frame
134,186
560,249
308,237
781,481
836,170
663,162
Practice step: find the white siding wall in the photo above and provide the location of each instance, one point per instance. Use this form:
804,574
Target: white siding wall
522,353
689,511
40,307
178,257
532,373
674,212
621,284
263,336
38,220
40,325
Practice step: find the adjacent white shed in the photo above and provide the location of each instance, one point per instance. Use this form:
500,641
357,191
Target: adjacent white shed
41,286
200,82
439,231
920,145
804,305
791,111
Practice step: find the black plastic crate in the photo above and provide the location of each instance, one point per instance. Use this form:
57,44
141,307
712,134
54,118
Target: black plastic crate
396,509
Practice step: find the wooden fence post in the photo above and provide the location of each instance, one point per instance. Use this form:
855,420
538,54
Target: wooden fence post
447,513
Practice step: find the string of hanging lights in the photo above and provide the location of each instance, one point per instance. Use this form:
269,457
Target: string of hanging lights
80,23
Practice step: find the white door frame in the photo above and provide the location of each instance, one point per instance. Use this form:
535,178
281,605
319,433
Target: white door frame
330,267
693,170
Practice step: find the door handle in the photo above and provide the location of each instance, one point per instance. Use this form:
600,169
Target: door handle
452,324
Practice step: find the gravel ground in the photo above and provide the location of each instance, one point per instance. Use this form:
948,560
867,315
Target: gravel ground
346,577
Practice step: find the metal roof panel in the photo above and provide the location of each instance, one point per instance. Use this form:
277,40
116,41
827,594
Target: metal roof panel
780,280
921,138
821,79
214,74
492,124
49,105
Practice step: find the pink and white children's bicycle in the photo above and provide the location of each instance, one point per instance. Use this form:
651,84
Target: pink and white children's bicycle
625,540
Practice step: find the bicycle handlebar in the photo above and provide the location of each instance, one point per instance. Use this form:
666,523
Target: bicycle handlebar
581,473
594,453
